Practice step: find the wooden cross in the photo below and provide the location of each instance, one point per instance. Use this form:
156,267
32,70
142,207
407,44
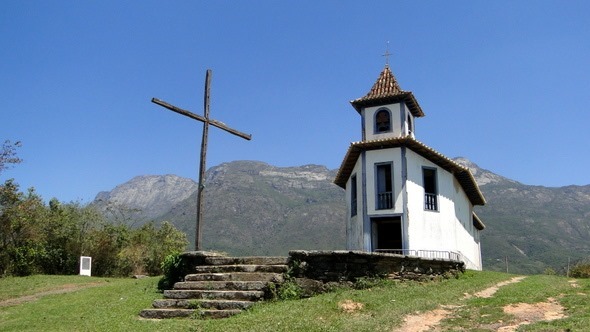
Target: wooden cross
202,167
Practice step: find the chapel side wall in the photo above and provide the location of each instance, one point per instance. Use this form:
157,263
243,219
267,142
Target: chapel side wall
449,228
354,224
468,242
428,230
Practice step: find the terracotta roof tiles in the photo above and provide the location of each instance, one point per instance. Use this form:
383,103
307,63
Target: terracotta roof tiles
387,90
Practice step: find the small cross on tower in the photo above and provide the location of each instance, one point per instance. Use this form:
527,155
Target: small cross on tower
387,54
202,167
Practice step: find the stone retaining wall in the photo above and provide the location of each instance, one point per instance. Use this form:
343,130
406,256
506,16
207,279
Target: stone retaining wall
348,266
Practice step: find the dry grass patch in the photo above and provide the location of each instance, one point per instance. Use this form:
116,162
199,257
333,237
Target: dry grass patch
349,306
527,313
424,321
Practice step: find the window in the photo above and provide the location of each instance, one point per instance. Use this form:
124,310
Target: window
384,186
382,121
410,125
353,196
430,189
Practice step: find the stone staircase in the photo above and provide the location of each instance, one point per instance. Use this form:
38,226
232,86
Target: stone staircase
220,287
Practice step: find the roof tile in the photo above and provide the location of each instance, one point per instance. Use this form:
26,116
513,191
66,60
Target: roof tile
387,90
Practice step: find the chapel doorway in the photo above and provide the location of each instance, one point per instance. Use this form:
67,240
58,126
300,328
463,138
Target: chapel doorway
387,234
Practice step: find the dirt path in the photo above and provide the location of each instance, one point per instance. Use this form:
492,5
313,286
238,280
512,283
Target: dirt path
524,313
425,321
527,313
428,321
489,292
68,288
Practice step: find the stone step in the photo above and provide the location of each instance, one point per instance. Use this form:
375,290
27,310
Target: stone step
252,260
166,313
236,276
177,313
241,268
221,285
214,295
202,304
216,314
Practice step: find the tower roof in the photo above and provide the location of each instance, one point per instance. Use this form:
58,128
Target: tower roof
386,90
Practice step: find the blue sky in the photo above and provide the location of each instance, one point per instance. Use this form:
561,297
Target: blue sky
503,83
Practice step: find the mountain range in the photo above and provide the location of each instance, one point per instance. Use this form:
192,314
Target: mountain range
253,208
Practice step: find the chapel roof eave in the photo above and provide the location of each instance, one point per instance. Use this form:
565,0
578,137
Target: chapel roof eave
406,96
462,174
478,223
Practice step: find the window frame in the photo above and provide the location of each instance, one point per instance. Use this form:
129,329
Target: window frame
431,201
376,129
389,202
353,196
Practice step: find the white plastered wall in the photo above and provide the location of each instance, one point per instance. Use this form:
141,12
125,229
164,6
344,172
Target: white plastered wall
396,128
448,229
354,224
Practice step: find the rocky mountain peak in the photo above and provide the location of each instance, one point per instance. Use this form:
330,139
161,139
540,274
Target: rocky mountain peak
147,195
482,176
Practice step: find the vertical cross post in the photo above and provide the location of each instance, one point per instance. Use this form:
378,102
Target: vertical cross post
387,54
203,163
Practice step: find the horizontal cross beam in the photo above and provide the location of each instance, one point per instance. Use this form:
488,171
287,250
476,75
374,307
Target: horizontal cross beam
191,115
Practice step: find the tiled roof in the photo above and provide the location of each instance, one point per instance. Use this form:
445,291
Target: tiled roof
386,90
462,174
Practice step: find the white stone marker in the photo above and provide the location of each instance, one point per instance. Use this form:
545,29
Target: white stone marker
85,265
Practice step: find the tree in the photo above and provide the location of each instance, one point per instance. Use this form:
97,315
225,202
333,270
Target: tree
8,154
149,246
21,238
49,239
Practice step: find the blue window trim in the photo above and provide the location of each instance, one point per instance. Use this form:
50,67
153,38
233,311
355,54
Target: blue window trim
387,201
431,200
353,196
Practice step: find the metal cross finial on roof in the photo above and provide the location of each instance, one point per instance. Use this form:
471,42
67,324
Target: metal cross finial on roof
387,54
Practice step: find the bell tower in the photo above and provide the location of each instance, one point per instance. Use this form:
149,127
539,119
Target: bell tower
387,111
403,197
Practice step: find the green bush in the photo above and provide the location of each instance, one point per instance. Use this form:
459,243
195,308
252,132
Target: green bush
367,282
581,270
289,290
174,271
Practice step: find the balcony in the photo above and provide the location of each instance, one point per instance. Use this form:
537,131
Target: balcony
430,202
385,200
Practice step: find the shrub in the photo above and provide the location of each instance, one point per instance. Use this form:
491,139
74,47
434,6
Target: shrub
289,290
174,271
286,290
581,270
367,282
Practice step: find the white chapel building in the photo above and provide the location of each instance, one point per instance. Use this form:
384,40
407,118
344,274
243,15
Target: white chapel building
402,196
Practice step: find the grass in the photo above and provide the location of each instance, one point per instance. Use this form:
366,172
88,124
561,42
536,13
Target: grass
11,287
534,289
114,304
